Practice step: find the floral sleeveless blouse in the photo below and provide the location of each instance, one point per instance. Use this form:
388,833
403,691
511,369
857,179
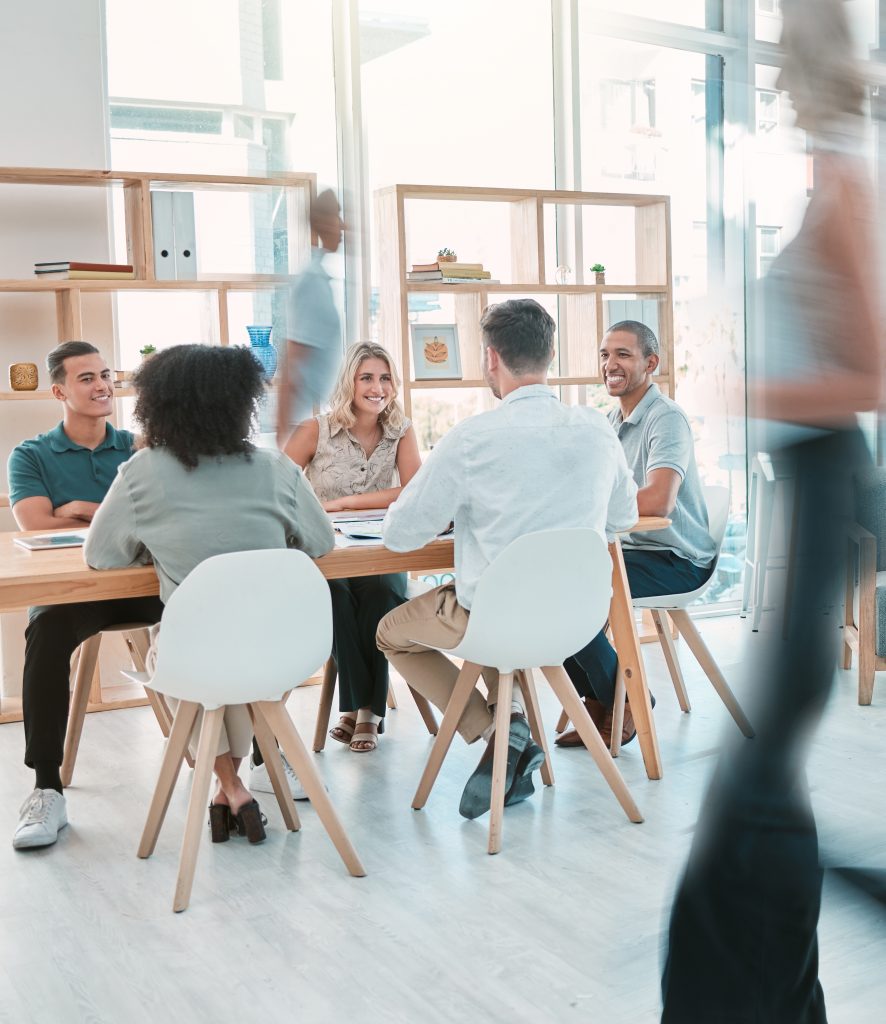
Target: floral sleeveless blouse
340,466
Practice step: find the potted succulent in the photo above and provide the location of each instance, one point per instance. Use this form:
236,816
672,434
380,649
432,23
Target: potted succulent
599,273
446,256
147,351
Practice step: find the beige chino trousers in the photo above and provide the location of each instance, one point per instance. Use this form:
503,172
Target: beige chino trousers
437,619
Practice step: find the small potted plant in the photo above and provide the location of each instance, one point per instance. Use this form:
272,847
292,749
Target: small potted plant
147,351
599,273
446,256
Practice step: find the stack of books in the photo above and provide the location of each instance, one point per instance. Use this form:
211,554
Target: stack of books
450,273
73,271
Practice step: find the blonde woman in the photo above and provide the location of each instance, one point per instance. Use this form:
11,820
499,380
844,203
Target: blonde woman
358,456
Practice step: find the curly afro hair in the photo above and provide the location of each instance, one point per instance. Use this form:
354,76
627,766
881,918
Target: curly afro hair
199,400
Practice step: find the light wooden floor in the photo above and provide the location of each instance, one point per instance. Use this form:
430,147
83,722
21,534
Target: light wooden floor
438,931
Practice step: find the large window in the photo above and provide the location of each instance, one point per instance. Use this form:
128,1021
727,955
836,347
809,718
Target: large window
459,93
220,88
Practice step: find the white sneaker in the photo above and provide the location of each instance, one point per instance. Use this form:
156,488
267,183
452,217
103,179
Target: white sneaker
260,781
41,817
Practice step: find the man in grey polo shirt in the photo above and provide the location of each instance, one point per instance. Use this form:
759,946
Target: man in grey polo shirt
657,441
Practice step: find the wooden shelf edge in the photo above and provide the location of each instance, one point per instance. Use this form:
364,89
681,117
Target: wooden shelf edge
80,176
44,396
492,195
552,289
244,283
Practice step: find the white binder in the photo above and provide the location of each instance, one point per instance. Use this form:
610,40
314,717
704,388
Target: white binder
185,236
164,239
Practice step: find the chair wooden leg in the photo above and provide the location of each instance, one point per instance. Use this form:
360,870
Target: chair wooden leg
426,711
467,680
500,760
562,722
296,753
206,754
867,661
392,698
572,704
848,603
169,769
618,713
271,757
536,725
698,647
138,642
82,684
327,691
663,628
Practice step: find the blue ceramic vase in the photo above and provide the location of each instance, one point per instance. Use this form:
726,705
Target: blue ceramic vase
262,349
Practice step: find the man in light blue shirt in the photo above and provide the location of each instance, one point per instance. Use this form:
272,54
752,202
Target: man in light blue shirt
657,441
531,464
313,351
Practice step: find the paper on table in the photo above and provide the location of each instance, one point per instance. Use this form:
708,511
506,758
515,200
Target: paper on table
361,530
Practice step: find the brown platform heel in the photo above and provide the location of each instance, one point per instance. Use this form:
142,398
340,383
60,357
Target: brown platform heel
221,822
251,822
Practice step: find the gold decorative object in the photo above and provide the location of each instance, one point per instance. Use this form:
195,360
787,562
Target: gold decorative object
436,351
23,376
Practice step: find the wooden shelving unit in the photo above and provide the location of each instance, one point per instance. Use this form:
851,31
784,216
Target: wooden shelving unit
532,221
137,187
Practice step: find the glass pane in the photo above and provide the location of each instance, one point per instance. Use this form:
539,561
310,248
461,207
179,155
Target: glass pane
652,122
862,16
441,109
681,12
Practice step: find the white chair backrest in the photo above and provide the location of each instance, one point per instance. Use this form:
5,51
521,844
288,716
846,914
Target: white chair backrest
717,501
244,626
540,601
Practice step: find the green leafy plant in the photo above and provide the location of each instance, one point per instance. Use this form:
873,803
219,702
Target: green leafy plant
598,268
446,252
147,350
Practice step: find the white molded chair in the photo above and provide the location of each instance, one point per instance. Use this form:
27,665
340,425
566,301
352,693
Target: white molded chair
675,605
330,674
540,601
243,628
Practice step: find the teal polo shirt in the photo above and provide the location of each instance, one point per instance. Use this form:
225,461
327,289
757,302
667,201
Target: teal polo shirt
53,466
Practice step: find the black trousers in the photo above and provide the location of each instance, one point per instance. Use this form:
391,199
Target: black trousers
358,605
53,634
742,940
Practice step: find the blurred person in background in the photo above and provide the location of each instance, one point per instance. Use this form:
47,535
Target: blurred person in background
313,353
742,940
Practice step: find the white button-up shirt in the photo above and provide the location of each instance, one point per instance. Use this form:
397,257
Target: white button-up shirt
531,464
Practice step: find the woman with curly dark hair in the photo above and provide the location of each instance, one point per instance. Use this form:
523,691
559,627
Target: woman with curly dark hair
198,488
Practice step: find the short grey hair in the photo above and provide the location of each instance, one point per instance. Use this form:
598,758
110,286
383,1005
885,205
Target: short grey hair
645,336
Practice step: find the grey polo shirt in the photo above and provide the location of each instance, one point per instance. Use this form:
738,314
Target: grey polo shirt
657,435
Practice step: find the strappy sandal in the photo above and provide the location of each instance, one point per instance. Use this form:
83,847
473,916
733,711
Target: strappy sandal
367,733
344,730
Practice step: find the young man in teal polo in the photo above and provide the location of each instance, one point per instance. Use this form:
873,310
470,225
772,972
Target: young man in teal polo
57,481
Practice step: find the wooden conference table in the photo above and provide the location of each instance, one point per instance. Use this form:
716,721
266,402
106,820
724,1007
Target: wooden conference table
62,577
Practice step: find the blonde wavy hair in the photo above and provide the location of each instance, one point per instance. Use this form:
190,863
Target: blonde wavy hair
341,410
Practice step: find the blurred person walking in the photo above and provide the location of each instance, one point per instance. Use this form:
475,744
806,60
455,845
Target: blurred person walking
313,351
742,938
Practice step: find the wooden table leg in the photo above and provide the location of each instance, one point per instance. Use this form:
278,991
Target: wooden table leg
627,646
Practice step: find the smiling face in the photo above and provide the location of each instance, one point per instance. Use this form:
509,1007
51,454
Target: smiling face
624,367
373,387
86,389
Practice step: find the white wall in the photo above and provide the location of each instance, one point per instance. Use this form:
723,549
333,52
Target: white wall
52,78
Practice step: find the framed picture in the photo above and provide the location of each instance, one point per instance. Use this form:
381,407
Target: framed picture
435,354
